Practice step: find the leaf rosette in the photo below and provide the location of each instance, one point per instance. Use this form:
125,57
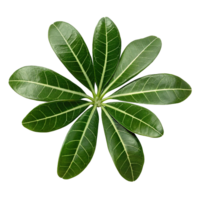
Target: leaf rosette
65,101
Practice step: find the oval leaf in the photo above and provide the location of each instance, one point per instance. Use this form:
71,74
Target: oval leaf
79,145
154,89
136,119
54,115
43,84
72,51
138,55
124,147
106,51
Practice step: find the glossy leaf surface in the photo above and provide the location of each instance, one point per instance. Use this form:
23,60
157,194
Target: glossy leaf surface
138,55
79,145
121,121
154,89
72,51
106,50
135,118
54,115
43,84
124,147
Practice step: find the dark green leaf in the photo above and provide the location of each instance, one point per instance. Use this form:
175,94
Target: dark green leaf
43,84
135,118
106,51
79,145
54,115
72,51
138,55
124,147
154,89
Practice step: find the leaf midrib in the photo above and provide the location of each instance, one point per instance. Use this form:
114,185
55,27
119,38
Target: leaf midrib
105,62
61,113
50,86
147,91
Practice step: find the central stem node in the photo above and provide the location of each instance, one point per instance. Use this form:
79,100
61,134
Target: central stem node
97,102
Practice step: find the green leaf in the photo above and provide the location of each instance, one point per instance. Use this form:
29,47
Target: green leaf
54,115
106,51
138,55
154,89
72,51
135,118
79,145
124,147
43,84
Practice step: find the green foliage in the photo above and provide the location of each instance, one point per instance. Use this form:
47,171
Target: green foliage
121,121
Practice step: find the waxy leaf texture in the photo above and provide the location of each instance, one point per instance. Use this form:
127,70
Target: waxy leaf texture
106,70
124,147
135,118
79,145
43,84
154,89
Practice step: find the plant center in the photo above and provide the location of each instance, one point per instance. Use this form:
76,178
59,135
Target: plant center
97,102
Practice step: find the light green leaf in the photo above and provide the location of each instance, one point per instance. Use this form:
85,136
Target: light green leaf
43,84
124,147
154,89
135,118
138,55
79,145
72,51
106,50
54,115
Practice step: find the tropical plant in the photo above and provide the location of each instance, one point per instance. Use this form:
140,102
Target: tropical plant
121,121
